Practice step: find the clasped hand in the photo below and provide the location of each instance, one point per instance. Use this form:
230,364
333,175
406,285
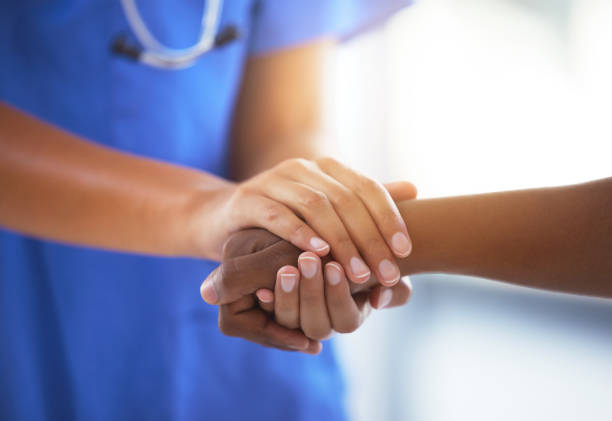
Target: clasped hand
291,308
271,293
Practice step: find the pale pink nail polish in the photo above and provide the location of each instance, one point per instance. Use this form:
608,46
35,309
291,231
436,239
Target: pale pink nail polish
318,244
389,271
308,266
401,244
333,274
360,269
288,281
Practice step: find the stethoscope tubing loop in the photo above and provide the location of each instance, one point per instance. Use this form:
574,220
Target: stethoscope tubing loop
155,53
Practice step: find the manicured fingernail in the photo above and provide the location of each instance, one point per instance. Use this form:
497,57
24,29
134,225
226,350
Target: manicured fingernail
308,266
208,293
389,271
333,273
401,244
265,296
288,281
385,298
318,244
360,269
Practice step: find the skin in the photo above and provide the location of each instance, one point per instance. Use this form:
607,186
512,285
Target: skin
101,197
557,239
253,256
97,196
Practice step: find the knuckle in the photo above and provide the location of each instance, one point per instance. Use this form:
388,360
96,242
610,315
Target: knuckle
313,200
317,333
289,322
271,213
227,327
243,191
347,326
367,186
343,197
300,230
327,162
294,164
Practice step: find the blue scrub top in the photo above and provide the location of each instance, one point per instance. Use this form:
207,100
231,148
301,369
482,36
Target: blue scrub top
96,335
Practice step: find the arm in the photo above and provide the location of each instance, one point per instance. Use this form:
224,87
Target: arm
58,186
279,112
557,239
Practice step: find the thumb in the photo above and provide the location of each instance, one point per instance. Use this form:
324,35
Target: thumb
227,283
244,275
208,290
401,190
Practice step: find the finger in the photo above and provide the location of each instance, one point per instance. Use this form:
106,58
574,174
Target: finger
265,298
314,348
316,209
260,211
244,319
360,225
401,190
243,275
287,293
378,202
398,295
314,319
343,312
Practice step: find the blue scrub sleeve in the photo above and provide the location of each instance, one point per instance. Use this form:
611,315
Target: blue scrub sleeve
280,24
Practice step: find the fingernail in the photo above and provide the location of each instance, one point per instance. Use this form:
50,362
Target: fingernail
298,347
208,293
299,344
389,271
288,281
360,269
401,244
333,273
318,244
265,296
385,298
308,266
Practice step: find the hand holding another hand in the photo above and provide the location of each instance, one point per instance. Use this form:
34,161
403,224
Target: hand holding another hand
251,262
318,299
317,205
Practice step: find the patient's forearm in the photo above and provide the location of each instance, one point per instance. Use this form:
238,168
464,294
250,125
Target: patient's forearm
553,238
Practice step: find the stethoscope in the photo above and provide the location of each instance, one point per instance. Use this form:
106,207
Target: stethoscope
153,53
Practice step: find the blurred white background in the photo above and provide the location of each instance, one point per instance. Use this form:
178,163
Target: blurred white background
467,96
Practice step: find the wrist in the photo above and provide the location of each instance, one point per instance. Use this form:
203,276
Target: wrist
418,260
205,218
